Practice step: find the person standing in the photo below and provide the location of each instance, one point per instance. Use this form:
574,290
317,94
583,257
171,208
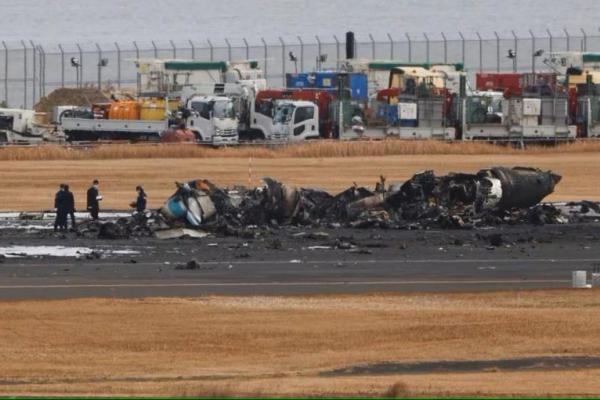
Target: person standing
61,207
93,200
70,205
140,202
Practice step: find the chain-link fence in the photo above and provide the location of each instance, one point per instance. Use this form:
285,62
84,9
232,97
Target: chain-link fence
29,71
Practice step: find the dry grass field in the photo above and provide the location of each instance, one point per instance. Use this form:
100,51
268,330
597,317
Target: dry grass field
278,345
31,184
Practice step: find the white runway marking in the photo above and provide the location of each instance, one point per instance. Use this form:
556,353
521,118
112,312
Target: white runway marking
251,284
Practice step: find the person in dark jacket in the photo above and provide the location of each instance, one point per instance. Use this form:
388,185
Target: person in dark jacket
61,206
93,200
140,202
70,205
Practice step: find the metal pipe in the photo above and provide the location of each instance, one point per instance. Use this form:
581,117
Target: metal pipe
266,53
391,46
372,46
62,65
247,49
210,45
497,51
549,39
568,39
193,49
409,47
515,58
138,79
282,59
80,68
42,73
118,65
480,51
426,47
99,66
462,38
34,72
5,73
319,45
584,39
174,49
228,49
24,74
533,51
445,48
337,49
302,54
155,49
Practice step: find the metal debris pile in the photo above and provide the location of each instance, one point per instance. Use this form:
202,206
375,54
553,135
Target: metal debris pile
492,196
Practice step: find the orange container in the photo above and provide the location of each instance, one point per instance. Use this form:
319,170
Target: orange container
125,109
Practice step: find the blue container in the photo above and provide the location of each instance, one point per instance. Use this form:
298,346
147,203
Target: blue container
326,79
358,84
297,80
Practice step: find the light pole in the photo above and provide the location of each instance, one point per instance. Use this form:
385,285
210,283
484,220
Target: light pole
76,63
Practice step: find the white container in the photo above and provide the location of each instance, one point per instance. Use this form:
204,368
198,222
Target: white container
580,280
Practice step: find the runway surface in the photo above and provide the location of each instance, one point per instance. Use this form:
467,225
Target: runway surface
299,261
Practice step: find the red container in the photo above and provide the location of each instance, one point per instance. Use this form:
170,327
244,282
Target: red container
499,82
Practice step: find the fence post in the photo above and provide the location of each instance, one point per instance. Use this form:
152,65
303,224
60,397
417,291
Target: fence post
62,65
584,44
33,68
372,46
462,38
409,47
155,49
266,54
445,48
568,39
24,74
5,72
228,49
192,48
426,46
79,70
42,61
391,46
480,51
247,49
118,65
497,51
549,39
138,80
532,51
210,45
515,58
99,66
337,50
174,49
282,59
319,45
302,54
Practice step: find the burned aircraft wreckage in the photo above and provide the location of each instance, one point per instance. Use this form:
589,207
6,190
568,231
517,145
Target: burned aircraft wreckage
457,200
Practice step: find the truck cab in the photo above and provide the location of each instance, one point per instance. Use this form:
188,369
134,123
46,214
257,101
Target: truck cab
212,119
295,120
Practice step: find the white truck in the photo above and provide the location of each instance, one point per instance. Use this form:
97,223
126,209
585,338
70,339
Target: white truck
211,118
19,126
295,121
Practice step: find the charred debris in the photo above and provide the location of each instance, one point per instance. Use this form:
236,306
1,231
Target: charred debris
490,197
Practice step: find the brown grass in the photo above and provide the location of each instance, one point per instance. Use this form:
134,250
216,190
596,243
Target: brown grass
30,185
278,345
313,149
